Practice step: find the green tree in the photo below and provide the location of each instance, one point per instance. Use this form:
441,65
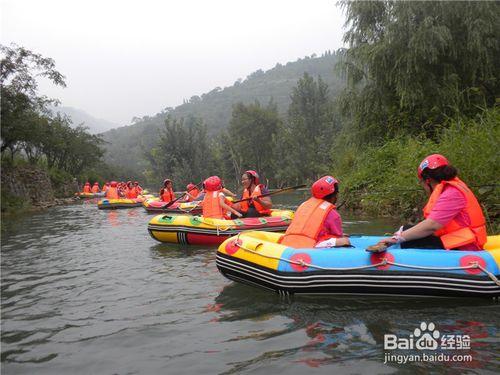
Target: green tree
20,102
183,152
249,138
412,64
304,140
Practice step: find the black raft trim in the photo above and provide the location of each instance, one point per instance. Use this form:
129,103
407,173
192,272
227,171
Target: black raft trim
358,281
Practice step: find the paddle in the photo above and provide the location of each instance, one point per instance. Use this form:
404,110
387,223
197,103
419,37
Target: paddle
382,246
182,196
378,248
272,193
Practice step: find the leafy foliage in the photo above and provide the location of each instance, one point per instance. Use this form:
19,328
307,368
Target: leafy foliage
28,127
382,179
182,153
250,138
304,141
412,64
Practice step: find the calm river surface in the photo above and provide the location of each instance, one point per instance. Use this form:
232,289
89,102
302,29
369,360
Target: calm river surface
86,291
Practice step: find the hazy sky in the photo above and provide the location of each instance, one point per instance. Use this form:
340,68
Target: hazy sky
125,58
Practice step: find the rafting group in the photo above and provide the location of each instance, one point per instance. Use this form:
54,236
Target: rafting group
448,253
111,190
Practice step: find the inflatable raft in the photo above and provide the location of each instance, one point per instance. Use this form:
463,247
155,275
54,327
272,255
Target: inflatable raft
155,205
105,203
256,258
197,230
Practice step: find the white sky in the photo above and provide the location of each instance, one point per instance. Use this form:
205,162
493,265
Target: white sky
124,58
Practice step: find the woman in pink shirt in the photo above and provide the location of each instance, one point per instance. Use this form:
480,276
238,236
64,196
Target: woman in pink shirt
453,217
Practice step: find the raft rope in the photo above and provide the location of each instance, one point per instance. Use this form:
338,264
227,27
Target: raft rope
226,227
383,262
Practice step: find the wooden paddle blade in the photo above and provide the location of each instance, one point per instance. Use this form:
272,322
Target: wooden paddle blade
378,248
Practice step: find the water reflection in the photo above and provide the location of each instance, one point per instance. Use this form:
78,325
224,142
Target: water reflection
328,330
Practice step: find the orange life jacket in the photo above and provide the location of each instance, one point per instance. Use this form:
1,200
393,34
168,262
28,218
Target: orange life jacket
86,189
193,194
167,195
95,189
307,223
131,193
112,193
211,205
244,205
454,235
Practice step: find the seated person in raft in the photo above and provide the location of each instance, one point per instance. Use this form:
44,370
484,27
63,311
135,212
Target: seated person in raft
453,218
167,191
192,193
258,206
215,204
316,223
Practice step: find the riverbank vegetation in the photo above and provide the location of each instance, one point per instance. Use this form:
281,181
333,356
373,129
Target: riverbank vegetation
31,134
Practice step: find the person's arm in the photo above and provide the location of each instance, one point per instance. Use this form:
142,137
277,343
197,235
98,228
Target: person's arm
228,192
449,204
226,207
423,229
264,201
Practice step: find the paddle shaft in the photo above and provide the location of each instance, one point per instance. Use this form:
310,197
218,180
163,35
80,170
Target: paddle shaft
271,193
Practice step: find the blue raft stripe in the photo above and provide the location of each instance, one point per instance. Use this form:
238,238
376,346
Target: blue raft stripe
358,256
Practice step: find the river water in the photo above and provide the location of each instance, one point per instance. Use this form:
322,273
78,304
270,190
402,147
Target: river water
86,291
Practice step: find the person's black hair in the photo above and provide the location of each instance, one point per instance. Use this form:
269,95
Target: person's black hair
444,173
331,195
251,177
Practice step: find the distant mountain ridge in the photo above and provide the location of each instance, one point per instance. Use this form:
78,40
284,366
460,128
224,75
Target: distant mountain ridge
126,144
79,116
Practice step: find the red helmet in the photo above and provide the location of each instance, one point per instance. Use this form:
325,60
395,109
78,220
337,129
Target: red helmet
136,183
190,186
323,187
432,162
255,176
213,183
87,183
114,183
96,183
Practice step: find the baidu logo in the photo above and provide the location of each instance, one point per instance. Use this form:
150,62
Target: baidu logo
426,336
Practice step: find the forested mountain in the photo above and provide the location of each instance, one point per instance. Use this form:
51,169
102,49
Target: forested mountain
126,144
78,117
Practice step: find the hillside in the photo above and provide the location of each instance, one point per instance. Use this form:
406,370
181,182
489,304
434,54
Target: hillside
78,117
215,107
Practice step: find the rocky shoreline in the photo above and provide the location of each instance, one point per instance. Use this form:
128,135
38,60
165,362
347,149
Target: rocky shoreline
30,188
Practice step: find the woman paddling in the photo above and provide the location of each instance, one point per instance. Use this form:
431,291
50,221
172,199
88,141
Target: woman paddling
453,217
167,191
258,206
